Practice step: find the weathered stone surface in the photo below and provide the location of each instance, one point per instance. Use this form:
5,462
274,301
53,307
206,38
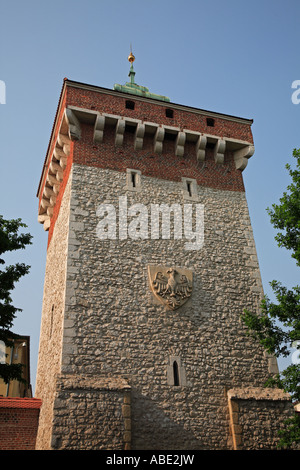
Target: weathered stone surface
117,328
256,416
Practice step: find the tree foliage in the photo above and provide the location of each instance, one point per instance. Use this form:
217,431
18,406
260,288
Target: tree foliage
278,326
10,240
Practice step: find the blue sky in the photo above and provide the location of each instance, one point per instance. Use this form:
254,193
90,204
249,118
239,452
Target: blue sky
235,57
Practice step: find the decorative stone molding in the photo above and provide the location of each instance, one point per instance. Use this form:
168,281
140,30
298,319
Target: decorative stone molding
70,130
219,151
171,286
57,165
158,140
120,129
242,150
74,126
200,148
64,142
179,146
241,156
99,128
139,136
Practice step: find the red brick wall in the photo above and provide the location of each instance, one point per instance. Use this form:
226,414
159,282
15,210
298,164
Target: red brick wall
18,423
165,166
149,111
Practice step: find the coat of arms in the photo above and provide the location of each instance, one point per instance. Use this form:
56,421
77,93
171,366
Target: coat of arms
171,286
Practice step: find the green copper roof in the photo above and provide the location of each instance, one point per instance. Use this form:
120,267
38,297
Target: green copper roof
135,89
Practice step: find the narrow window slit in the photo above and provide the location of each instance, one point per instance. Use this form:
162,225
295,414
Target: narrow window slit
189,188
175,374
133,175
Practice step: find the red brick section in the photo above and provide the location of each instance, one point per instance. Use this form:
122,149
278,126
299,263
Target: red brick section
18,423
150,111
165,166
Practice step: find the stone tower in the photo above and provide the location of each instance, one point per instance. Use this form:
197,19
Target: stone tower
150,263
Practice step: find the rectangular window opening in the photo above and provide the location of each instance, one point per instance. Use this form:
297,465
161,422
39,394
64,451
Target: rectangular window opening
129,104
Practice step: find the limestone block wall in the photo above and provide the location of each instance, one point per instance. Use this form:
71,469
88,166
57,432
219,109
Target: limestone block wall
52,322
115,327
256,416
97,412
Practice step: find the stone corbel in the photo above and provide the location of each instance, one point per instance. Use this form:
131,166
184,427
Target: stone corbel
64,142
50,211
139,136
57,165
45,220
241,156
50,194
220,151
73,123
120,129
200,148
99,128
56,168
42,218
61,157
158,139
179,145
45,203
52,180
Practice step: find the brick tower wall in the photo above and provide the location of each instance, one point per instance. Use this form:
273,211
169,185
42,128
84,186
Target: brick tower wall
19,419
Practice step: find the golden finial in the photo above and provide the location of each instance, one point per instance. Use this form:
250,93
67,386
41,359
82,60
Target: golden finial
131,57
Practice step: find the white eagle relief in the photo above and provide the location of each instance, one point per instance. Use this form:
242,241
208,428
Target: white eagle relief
171,286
